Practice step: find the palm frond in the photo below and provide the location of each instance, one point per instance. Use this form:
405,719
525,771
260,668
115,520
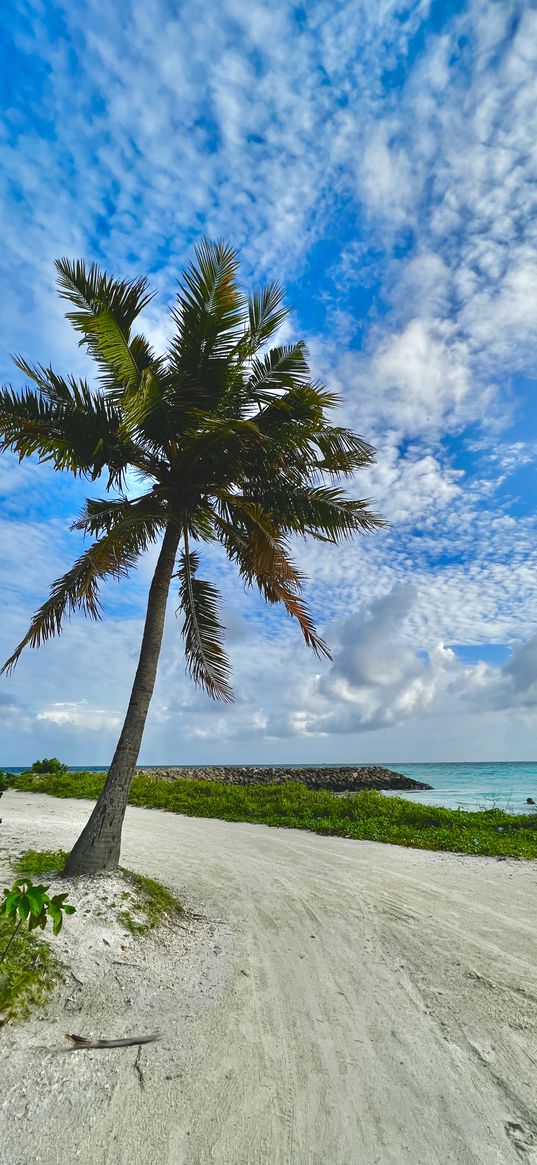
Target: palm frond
144,411
281,368
209,296
65,424
103,515
260,538
300,404
25,421
202,631
200,523
208,317
113,555
112,349
262,556
54,388
342,452
216,448
266,313
149,461
299,448
92,291
297,608
320,512
106,310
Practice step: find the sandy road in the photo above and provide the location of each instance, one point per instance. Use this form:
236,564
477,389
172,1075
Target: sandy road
375,1005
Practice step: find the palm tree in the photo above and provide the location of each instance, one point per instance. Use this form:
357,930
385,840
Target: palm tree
230,443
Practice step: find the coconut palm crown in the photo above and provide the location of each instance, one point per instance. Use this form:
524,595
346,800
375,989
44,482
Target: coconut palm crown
230,442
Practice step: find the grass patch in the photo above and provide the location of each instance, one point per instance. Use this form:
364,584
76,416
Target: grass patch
36,862
151,902
364,816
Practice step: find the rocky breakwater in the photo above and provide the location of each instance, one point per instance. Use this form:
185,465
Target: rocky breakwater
338,779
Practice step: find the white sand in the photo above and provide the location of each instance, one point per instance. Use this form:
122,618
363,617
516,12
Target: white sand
347,1003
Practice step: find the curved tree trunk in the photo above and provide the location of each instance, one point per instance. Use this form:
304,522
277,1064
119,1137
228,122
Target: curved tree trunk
99,843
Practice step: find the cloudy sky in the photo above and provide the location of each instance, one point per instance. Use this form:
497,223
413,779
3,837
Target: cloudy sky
379,158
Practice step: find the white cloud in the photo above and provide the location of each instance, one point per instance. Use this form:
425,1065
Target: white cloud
385,177
405,488
376,680
512,687
376,683
420,380
80,715
252,137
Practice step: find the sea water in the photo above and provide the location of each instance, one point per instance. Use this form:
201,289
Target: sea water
472,785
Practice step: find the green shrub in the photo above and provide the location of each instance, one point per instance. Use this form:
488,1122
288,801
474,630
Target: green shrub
49,765
27,973
25,965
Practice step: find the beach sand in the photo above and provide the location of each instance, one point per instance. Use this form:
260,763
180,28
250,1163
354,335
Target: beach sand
338,1002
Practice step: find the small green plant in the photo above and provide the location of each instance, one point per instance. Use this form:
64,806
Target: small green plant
49,765
31,904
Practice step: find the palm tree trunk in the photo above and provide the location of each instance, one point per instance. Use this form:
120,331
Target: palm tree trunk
99,843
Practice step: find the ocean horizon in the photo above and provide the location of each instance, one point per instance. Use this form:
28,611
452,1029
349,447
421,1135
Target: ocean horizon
465,784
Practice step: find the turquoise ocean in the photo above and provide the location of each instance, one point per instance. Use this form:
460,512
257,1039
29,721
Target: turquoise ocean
505,785
485,785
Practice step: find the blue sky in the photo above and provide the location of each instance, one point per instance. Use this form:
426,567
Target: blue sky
378,158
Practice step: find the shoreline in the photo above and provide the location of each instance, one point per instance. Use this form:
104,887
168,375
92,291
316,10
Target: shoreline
379,814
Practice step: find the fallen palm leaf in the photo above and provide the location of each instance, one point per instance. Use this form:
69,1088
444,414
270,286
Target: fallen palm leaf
83,1042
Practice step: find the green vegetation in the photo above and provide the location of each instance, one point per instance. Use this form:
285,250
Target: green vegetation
49,765
60,785
27,972
150,899
26,903
367,815
35,862
151,902
26,965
